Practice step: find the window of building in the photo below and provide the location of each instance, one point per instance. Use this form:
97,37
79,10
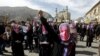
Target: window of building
95,11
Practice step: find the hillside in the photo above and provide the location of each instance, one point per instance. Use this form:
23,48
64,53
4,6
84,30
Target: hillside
20,13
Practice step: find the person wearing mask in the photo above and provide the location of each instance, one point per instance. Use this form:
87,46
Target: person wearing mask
17,38
62,43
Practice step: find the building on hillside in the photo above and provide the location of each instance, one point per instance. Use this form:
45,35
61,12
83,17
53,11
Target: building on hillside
93,13
62,15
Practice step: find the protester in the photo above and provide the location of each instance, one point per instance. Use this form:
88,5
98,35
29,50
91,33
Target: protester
90,35
59,44
50,38
8,35
6,38
95,27
98,36
73,33
82,32
29,35
78,27
24,30
17,40
44,44
36,31
97,31
2,30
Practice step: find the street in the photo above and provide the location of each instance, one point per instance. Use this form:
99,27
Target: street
81,50
27,53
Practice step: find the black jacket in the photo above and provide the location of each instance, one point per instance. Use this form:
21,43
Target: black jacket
54,37
98,30
2,30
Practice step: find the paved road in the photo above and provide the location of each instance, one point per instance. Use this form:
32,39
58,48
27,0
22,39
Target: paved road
81,50
27,53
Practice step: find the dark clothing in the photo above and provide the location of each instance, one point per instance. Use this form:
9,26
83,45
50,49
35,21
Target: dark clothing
17,47
90,35
36,34
95,27
78,27
44,48
29,35
58,47
97,30
82,33
1,46
56,29
2,30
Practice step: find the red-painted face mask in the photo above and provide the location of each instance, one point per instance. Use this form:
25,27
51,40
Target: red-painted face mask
64,32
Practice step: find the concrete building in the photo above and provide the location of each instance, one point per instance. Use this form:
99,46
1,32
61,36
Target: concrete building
62,15
93,13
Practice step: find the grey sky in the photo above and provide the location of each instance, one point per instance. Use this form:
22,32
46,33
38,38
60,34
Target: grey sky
77,7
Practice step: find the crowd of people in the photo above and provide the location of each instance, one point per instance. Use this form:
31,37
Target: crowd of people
91,30
51,39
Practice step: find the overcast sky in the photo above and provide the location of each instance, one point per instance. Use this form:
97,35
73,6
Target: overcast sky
77,7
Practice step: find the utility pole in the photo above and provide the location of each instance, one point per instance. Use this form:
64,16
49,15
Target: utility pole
56,11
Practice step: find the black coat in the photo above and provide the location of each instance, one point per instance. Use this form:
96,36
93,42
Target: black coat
90,34
2,30
78,27
98,30
29,35
83,32
17,40
58,47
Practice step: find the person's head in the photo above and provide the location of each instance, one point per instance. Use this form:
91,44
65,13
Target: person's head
64,31
23,23
16,26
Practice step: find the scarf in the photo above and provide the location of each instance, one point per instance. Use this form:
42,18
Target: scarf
44,30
